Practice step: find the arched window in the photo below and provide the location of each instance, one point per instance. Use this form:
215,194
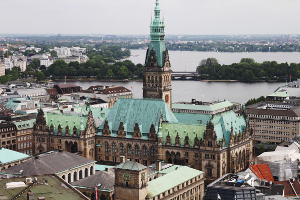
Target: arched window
80,174
114,147
152,151
122,149
145,151
91,170
75,176
106,146
86,172
136,149
69,178
129,149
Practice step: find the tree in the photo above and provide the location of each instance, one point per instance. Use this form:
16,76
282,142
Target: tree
209,62
35,64
123,72
53,54
247,60
40,76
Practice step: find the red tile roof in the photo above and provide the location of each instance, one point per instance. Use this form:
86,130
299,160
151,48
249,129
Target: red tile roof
262,171
67,85
291,187
114,90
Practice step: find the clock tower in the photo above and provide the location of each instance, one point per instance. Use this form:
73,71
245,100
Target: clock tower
157,71
130,181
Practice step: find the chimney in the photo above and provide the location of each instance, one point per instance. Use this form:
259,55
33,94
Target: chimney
158,165
122,159
30,195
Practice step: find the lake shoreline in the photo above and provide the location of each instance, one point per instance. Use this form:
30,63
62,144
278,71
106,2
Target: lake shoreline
140,80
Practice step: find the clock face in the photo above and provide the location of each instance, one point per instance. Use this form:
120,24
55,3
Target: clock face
126,176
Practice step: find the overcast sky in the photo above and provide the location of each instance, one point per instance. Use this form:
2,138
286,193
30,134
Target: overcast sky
133,16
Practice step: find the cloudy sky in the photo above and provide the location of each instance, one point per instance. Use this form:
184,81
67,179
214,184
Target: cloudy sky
133,16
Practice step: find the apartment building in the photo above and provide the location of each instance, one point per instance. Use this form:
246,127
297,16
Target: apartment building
274,122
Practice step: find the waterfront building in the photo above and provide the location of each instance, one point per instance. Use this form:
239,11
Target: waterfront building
273,122
157,71
67,88
9,158
102,96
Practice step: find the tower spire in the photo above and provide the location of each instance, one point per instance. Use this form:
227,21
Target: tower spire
157,73
157,10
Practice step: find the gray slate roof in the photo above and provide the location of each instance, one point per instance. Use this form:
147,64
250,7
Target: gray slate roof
131,165
105,180
49,163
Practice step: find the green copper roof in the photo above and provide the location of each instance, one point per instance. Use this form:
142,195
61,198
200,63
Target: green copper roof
99,114
13,103
77,117
131,165
157,33
183,130
7,156
192,118
24,124
188,126
223,123
208,107
142,111
64,120
171,180
102,167
279,93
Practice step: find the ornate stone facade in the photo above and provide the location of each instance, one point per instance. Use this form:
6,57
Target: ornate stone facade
75,139
206,154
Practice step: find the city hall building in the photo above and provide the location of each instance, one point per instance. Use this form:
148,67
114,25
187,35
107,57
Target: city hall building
211,137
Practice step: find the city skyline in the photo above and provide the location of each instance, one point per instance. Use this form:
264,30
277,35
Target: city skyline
133,17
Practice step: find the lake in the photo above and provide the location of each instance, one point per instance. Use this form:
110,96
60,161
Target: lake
208,91
204,91
189,60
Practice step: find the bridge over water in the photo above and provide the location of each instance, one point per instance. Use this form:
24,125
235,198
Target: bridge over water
182,75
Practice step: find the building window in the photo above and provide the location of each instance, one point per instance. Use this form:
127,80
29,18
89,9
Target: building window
209,143
106,146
